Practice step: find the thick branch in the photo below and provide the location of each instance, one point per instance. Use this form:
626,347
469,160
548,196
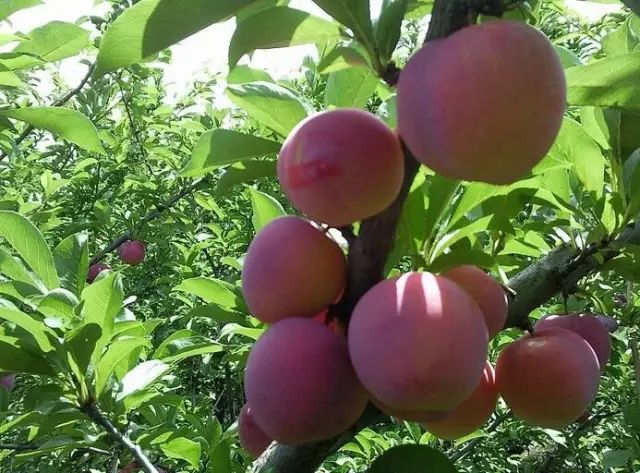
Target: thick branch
61,101
94,413
559,270
154,214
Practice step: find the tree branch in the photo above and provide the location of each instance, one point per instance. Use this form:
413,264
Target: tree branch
96,415
61,101
154,214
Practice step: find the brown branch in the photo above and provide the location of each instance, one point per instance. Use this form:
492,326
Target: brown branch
154,214
61,101
560,270
95,414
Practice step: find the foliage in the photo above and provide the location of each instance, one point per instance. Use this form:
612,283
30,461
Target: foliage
161,347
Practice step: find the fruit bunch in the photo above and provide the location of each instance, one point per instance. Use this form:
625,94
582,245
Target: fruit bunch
484,104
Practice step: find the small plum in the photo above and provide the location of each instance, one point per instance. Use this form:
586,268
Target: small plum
132,252
252,438
8,381
587,326
418,342
548,379
487,293
300,383
485,103
472,413
341,166
292,269
95,270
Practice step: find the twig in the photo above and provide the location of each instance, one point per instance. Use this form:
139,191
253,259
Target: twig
154,214
61,101
28,447
96,415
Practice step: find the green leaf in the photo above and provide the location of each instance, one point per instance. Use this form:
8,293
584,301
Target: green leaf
412,459
354,14
9,78
272,105
192,346
81,343
25,238
616,459
102,302
14,269
631,177
609,82
339,58
116,352
68,124
8,8
51,42
16,359
71,258
142,376
575,146
351,87
153,25
33,327
389,26
212,291
182,449
265,209
216,148
243,73
240,173
58,303
279,27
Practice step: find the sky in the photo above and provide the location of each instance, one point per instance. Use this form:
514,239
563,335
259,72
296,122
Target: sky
206,50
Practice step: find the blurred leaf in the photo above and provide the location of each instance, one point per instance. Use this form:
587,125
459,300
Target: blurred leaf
51,42
243,73
265,209
351,87
609,82
15,359
412,459
389,26
153,25
244,172
279,27
7,8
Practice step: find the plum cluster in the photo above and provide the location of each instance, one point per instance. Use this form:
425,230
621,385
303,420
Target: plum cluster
483,104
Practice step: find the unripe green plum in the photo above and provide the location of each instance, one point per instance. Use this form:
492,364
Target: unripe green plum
588,327
418,342
472,413
292,269
341,166
252,438
487,293
300,383
483,104
548,379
